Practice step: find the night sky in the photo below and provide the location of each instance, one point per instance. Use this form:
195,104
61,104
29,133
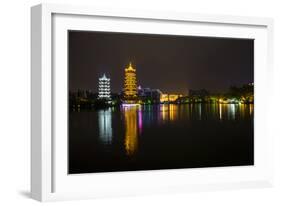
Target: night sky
173,64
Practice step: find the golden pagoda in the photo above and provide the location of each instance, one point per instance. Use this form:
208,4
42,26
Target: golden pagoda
130,85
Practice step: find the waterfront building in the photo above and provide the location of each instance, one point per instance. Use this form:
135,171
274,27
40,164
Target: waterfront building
130,85
104,88
149,95
168,98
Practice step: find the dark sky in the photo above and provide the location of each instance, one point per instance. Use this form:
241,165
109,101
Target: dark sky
173,64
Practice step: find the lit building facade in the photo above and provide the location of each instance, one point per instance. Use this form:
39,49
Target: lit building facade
166,98
149,95
104,87
130,85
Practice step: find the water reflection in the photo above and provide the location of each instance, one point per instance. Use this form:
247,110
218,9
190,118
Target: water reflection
232,111
164,108
172,112
131,132
105,125
220,111
138,118
154,136
200,111
235,111
251,109
158,114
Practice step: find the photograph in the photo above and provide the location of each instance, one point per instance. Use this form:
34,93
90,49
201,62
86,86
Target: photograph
141,101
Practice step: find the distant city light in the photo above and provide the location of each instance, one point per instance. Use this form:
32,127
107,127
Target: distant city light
169,97
130,105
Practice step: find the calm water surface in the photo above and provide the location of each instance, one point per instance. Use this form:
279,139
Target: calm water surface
161,137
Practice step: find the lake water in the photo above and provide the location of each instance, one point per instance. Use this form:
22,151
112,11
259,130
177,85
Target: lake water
161,137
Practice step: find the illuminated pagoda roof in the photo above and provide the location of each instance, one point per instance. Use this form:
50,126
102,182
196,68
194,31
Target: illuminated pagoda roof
104,77
130,68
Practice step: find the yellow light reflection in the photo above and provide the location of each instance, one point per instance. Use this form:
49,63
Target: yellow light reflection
220,111
131,138
172,112
251,109
164,109
242,109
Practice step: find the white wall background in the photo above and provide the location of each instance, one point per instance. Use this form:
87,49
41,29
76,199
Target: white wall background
15,101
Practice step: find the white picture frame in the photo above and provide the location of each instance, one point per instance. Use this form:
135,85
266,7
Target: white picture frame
49,179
